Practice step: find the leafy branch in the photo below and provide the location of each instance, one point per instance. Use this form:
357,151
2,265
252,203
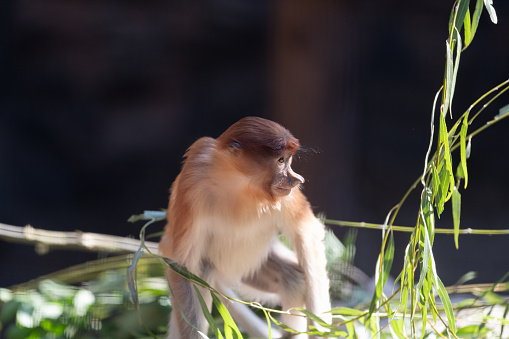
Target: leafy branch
439,185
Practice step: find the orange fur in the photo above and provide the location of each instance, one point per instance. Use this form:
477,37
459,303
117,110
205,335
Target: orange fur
233,196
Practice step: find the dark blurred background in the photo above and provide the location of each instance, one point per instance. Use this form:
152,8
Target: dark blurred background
100,99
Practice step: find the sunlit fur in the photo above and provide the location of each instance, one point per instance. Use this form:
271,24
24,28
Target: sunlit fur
233,197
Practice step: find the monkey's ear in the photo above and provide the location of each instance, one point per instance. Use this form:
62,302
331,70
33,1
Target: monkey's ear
234,148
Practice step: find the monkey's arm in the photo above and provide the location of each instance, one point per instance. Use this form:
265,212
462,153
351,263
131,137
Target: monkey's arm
183,243
310,250
185,306
307,235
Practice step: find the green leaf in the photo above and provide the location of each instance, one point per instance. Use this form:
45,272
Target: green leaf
433,308
131,276
459,172
427,251
351,330
455,71
458,17
451,71
321,322
472,331
427,212
446,302
444,176
493,299
427,286
207,314
452,133
269,324
404,298
334,331
384,273
230,328
468,29
447,155
424,314
435,181
476,17
182,271
282,326
397,328
506,310
449,67
466,277
8,311
456,213
470,302
463,153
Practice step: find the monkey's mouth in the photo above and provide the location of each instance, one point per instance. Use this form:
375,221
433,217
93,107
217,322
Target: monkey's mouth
281,191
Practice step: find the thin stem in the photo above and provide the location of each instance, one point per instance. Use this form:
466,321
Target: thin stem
489,102
411,229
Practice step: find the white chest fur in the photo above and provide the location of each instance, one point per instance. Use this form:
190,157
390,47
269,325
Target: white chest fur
237,248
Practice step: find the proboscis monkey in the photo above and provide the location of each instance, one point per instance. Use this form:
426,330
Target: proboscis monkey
234,196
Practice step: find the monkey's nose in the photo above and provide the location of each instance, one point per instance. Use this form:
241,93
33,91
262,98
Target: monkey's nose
295,179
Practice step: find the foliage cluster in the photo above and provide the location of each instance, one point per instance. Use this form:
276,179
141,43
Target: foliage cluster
101,308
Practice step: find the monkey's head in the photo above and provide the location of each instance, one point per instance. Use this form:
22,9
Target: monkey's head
263,151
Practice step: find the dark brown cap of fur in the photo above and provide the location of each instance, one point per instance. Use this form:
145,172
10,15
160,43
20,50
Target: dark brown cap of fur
258,134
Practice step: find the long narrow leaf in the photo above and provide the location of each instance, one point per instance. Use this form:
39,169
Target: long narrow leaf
506,310
385,270
463,146
475,18
455,71
208,315
426,224
424,315
435,180
230,328
446,302
283,326
351,330
447,155
397,328
456,213
181,270
322,323
427,263
131,279
457,17
444,189
460,15
449,67
468,29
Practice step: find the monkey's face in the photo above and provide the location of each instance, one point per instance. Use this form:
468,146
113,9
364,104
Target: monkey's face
284,179
272,175
261,151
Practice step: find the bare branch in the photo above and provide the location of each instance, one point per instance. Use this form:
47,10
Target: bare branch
45,240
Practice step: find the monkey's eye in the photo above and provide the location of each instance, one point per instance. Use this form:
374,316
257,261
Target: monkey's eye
234,148
281,160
